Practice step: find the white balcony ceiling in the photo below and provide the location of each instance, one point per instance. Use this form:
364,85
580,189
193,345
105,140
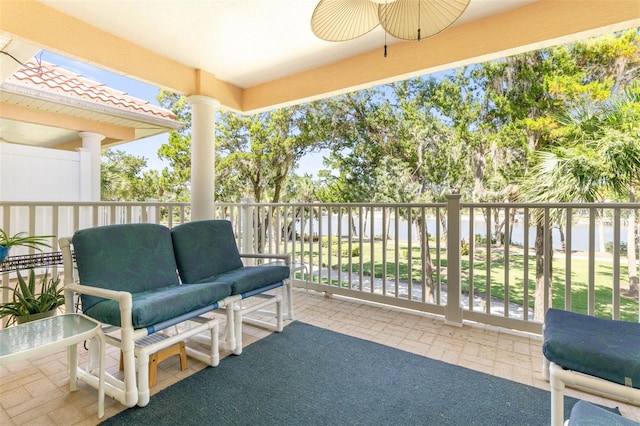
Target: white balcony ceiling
255,55
243,42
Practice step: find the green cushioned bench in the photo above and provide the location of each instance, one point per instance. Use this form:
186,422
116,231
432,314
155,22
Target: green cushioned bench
127,280
596,354
140,279
206,251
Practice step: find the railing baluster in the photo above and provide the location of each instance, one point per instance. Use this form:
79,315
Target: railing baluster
423,256
567,259
472,250
349,245
506,248
311,233
615,293
409,254
324,227
372,247
437,285
591,296
329,244
360,247
487,290
548,258
396,243
384,250
525,267
339,247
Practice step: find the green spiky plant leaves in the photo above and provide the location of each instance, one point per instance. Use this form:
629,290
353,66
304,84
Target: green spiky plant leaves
23,239
27,300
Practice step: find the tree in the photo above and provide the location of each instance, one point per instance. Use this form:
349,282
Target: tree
362,134
600,159
177,151
123,178
261,151
589,152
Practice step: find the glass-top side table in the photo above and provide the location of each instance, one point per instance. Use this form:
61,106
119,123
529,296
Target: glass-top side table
41,337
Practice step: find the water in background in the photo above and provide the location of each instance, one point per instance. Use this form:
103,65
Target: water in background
579,231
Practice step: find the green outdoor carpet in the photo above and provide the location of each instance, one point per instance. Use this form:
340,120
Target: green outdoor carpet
310,376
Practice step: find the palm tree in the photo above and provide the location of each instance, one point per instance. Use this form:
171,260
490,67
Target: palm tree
624,154
599,157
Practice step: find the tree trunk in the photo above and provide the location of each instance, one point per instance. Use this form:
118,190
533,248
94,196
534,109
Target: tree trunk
512,222
479,166
388,225
366,219
563,243
445,228
429,284
497,228
539,309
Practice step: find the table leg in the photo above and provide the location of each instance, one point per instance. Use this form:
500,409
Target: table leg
72,352
101,376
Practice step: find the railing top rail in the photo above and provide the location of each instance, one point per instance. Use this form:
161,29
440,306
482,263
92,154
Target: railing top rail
576,205
89,203
335,205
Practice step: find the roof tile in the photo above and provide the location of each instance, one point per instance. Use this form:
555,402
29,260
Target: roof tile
52,77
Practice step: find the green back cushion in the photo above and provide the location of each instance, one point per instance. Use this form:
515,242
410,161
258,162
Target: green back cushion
133,257
205,249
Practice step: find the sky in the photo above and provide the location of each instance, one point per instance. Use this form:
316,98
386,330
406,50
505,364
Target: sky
147,147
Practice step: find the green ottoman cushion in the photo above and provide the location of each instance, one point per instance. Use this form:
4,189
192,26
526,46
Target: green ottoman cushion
598,347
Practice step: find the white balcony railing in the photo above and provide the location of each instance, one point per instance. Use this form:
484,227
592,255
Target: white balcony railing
464,261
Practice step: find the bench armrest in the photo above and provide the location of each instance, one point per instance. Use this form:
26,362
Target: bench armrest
285,257
123,297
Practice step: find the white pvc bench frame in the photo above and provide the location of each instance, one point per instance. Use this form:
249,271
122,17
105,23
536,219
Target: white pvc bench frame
559,378
127,391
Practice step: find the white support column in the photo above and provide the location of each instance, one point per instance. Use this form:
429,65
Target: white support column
203,111
92,142
84,185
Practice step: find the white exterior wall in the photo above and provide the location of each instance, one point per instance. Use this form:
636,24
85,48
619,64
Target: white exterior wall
29,173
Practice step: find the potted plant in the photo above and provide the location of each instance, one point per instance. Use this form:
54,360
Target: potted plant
29,303
20,239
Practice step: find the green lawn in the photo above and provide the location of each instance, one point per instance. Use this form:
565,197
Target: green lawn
579,270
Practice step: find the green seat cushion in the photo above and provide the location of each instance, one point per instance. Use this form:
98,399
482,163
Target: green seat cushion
248,278
599,347
134,257
161,304
205,249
